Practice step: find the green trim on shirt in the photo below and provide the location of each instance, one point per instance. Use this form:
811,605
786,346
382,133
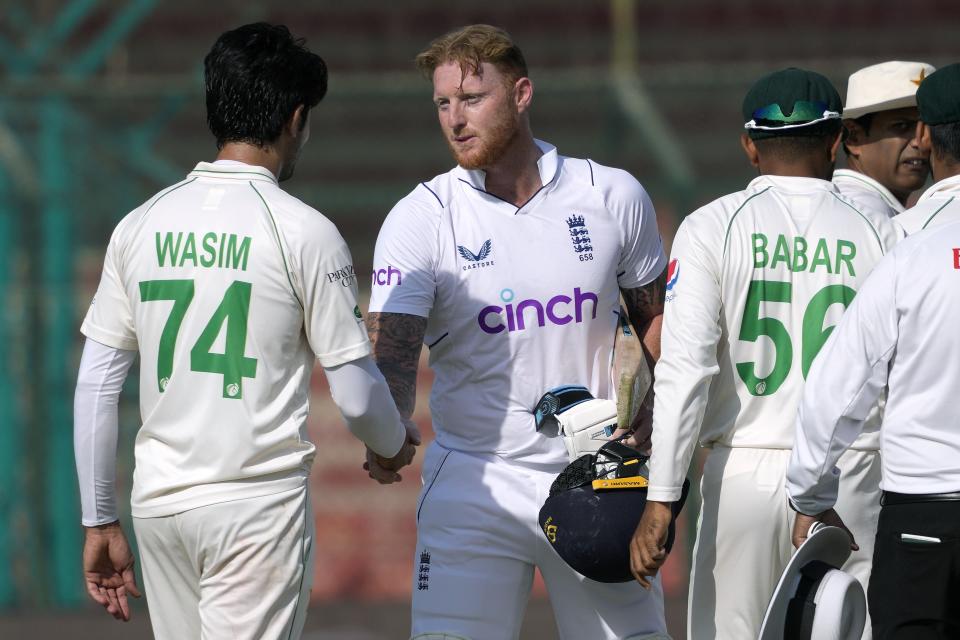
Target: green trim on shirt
872,228
286,268
897,206
168,192
726,237
934,214
228,173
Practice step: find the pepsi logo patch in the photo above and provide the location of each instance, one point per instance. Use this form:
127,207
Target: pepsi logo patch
673,273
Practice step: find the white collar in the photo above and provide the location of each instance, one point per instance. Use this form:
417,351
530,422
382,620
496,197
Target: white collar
862,178
791,183
547,165
233,170
943,186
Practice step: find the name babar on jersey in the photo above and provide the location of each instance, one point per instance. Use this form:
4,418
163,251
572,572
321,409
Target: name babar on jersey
795,280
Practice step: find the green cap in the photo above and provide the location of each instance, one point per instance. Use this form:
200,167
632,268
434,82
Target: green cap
939,96
791,102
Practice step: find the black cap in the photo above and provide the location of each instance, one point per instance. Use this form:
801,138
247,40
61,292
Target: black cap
791,102
939,96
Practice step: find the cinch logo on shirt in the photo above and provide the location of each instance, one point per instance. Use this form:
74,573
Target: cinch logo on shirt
385,276
556,310
956,258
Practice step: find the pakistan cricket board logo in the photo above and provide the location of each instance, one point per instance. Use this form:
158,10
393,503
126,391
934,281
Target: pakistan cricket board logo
478,259
580,237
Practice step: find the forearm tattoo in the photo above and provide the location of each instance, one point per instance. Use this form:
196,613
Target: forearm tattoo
645,307
397,339
645,303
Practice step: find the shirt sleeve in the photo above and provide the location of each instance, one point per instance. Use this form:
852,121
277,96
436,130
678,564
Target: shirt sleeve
332,319
844,383
363,397
99,382
109,319
641,256
404,263
688,361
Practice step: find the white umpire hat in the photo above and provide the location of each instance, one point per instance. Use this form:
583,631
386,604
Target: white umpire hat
884,86
814,599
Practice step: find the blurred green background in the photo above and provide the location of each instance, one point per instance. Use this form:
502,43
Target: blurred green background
101,105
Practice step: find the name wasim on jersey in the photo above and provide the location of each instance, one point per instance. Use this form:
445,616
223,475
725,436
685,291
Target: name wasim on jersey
519,300
197,279
758,279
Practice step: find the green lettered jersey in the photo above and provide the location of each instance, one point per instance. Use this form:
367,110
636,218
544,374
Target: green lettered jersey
757,281
228,287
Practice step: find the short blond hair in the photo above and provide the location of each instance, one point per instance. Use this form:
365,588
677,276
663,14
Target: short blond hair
470,47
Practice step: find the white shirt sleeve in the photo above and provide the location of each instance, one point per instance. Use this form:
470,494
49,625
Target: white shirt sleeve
332,319
847,377
109,319
641,256
99,381
404,263
688,361
363,397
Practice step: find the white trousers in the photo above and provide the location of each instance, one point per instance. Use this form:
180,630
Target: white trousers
478,542
234,570
744,530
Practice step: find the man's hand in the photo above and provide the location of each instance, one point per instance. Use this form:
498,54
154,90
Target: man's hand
801,526
384,470
641,428
648,549
108,569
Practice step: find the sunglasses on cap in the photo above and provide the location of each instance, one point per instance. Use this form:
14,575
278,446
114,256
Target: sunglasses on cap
804,114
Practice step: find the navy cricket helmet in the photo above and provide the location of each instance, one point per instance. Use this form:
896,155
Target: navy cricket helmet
593,510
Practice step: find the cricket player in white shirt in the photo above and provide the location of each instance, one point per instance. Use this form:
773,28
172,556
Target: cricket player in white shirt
885,164
899,336
229,289
758,280
939,134
508,268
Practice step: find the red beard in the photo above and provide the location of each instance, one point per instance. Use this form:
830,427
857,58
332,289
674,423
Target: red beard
492,146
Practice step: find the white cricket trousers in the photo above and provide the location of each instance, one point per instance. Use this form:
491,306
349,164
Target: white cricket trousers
478,542
233,571
744,530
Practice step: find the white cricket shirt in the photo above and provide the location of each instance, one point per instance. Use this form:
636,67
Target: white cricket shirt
518,300
866,193
757,280
900,334
937,205
227,286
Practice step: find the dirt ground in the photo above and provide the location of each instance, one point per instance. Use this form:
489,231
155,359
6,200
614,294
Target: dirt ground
326,621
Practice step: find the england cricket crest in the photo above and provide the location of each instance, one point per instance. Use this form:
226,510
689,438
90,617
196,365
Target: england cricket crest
580,237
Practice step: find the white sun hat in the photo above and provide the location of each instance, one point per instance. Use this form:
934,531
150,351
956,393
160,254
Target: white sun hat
884,86
814,599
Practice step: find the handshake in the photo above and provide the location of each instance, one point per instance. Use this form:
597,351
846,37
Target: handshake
384,470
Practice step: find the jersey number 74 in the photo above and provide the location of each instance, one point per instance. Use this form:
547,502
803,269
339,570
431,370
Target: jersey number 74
233,310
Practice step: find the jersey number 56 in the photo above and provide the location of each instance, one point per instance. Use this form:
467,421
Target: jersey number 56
814,335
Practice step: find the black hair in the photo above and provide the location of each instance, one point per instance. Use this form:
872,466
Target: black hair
786,146
255,78
945,140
